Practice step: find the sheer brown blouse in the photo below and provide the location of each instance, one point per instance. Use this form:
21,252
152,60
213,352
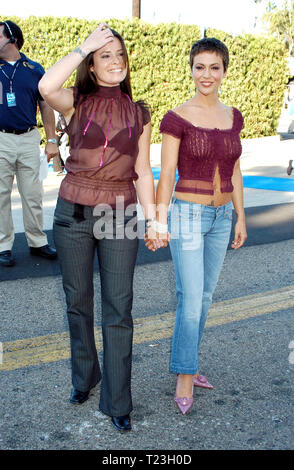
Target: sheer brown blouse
103,138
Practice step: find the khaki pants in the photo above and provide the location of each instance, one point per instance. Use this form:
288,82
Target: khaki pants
20,157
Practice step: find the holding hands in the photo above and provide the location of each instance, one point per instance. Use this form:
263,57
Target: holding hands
156,235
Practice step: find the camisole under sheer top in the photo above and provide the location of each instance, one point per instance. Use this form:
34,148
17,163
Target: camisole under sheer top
104,132
202,151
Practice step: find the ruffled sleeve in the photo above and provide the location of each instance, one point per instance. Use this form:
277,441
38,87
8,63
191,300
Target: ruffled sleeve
171,125
143,116
239,120
146,115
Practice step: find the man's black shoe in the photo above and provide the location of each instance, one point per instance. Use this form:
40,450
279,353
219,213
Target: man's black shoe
78,397
122,423
44,251
6,258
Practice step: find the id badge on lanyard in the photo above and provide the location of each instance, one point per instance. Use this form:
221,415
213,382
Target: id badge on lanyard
11,100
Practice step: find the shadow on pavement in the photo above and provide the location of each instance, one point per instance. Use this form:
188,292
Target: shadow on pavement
266,224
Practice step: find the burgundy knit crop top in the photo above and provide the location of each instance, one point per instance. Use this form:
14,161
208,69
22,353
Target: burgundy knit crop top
202,150
104,134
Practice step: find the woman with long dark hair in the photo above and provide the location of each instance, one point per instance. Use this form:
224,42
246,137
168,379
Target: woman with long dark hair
109,138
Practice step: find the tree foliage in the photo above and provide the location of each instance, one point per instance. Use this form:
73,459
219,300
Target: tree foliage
159,62
280,22
256,80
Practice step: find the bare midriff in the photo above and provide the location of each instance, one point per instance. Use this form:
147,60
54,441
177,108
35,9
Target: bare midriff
216,199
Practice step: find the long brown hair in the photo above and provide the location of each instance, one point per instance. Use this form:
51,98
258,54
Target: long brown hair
86,80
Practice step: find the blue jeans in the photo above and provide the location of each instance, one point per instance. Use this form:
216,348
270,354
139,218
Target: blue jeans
199,240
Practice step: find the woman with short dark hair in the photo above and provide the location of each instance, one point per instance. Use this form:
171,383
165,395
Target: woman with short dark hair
202,138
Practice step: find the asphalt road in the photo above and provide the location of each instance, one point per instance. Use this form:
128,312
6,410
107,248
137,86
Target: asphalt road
245,353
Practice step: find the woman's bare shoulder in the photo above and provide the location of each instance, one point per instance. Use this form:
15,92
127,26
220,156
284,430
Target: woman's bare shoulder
183,106
187,110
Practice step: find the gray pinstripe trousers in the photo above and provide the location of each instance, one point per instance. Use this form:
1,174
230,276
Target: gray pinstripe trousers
76,246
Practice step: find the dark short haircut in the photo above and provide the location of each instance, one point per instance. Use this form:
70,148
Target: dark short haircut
16,32
210,45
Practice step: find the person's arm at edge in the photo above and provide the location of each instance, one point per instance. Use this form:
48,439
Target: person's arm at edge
48,119
238,202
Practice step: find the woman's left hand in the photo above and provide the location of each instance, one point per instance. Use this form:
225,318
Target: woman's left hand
240,235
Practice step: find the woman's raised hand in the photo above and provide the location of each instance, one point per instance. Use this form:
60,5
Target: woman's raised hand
98,38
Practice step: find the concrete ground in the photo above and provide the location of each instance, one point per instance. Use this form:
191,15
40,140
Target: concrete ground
246,350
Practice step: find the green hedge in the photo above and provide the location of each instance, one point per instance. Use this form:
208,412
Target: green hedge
256,80
160,72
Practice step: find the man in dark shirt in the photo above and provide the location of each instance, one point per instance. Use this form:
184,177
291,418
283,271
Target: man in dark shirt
20,143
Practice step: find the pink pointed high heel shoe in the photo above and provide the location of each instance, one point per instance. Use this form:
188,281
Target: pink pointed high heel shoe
184,404
201,381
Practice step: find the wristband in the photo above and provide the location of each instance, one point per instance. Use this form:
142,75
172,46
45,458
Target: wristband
158,227
78,50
